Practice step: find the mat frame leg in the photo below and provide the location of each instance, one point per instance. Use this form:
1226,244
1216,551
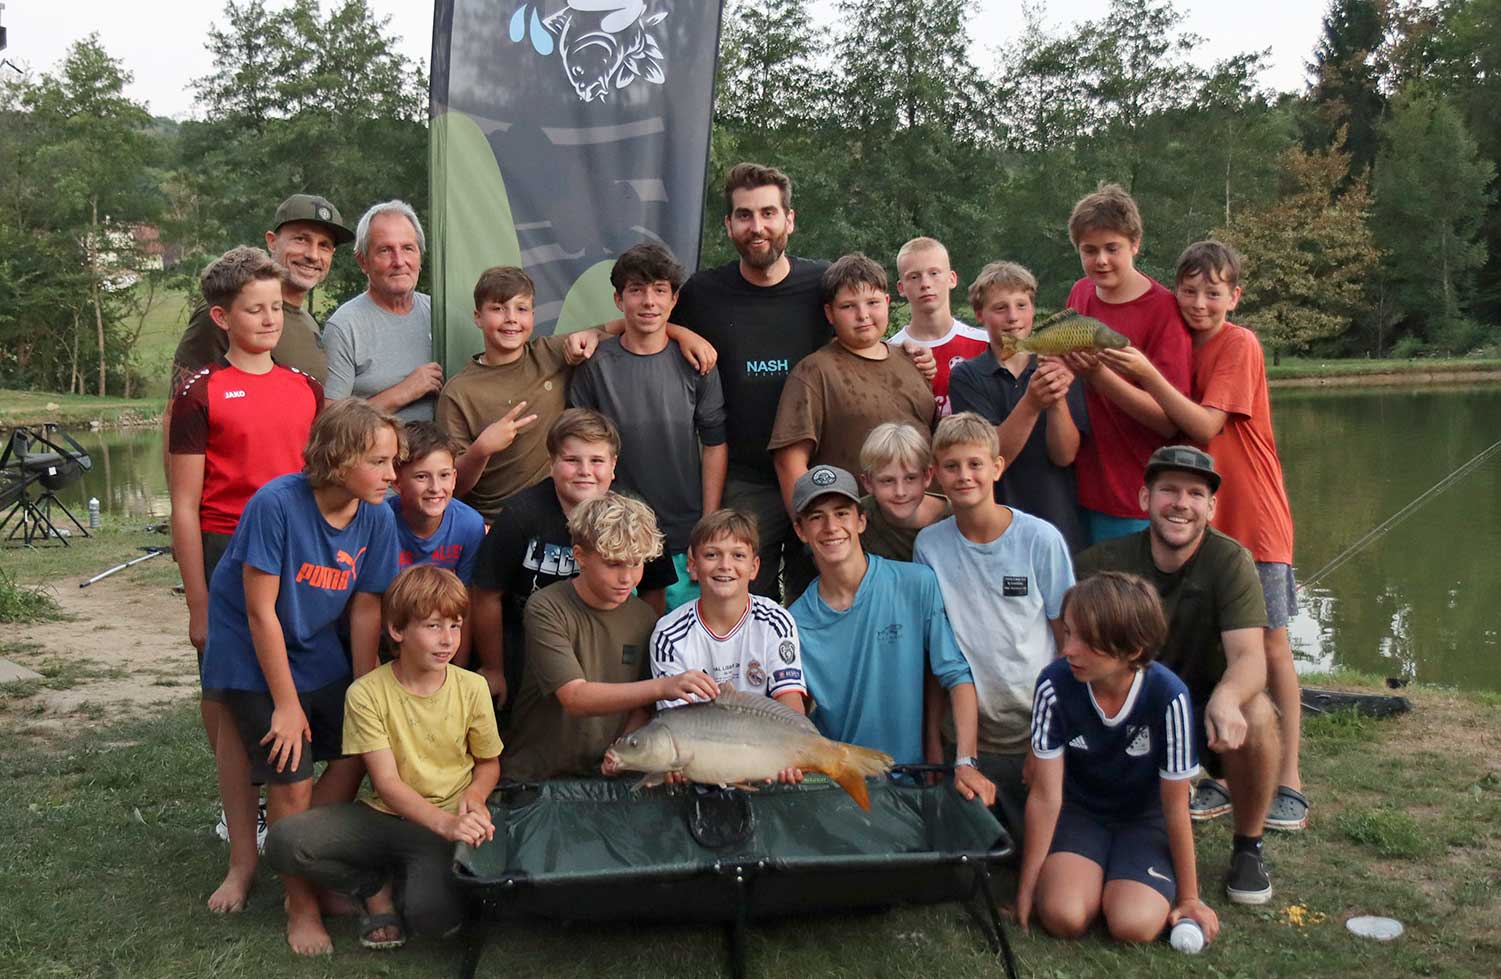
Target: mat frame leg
990,923
476,934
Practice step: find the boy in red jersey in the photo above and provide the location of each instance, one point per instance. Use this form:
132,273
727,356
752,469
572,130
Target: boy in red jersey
236,425
1126,424
1230,414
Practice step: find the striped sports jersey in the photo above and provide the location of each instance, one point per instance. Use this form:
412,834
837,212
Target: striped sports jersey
1112,765
761,654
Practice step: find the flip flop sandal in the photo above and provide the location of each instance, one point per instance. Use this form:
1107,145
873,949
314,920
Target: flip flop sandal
1289,810
372,923
1210,800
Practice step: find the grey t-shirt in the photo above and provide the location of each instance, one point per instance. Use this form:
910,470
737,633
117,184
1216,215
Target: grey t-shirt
664,409
370,349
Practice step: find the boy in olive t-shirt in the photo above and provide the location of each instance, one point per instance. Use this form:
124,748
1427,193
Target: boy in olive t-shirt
587,674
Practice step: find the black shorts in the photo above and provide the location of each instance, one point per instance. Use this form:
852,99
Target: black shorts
252,710
1210,761
1125,849
214,546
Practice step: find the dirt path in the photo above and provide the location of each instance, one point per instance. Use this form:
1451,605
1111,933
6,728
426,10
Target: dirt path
121,651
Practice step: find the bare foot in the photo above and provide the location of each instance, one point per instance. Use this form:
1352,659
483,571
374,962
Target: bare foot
230,897
307,936
336,905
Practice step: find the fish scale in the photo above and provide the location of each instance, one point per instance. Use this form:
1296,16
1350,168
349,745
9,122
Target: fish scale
1064,333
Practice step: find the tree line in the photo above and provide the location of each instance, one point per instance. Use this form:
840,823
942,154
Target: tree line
1365,205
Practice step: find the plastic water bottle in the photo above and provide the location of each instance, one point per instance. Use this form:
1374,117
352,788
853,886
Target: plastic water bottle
93,513
1187,937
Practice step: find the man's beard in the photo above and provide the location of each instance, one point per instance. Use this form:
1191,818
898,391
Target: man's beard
764,260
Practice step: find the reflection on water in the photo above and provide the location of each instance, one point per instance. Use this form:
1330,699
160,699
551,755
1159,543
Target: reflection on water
1423,601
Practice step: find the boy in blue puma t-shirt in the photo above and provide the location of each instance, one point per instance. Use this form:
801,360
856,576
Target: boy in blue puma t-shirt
1108,831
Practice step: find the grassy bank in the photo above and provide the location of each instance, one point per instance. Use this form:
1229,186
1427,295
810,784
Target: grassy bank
76,410
108,860
1418,371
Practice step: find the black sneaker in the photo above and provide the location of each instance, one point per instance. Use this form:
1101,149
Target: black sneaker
1248,882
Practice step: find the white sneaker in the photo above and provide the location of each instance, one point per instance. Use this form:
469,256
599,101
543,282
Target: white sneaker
221,829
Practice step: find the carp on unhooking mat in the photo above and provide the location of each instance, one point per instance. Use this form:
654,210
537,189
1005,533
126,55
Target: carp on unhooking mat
740,738
1065,333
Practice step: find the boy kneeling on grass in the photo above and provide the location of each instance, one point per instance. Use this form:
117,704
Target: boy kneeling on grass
426,731
1113,752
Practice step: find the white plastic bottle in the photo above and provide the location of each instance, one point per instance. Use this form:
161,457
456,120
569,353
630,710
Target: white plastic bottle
93,513
1187,937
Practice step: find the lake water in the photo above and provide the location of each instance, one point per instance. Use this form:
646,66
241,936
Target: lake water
1422,601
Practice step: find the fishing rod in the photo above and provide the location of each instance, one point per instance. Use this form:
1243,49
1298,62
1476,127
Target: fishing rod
1381,529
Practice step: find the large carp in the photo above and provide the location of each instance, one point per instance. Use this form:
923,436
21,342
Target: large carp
1064,333
741,738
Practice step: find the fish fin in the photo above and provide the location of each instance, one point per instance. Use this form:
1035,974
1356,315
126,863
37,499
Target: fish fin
1057,319
850,765
651,47
765,706
625,76
656,18
742,786
555,23
651,70
650,781
1008,347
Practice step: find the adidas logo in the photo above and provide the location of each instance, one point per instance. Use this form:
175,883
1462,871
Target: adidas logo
1078,742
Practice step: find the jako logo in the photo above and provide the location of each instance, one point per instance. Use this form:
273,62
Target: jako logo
766,366
233,394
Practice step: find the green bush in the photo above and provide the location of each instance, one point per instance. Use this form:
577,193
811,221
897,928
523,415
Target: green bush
20,603
1407,348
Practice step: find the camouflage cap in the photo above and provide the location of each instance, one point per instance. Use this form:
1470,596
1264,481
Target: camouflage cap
820,481
1184,458
318,210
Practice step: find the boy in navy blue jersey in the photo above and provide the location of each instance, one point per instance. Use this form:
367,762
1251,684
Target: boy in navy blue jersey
1113,751
309,547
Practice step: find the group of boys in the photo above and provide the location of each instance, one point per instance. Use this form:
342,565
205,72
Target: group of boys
590,600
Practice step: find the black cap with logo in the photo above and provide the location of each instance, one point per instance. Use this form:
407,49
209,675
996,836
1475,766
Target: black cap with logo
1184,458
310,207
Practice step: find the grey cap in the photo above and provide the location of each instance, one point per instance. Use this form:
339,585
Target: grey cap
820,481
318,210
1184,458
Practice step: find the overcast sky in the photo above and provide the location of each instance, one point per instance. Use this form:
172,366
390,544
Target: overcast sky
161,41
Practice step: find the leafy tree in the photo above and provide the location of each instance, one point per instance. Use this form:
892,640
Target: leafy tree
1431,193
1345,86
1309,254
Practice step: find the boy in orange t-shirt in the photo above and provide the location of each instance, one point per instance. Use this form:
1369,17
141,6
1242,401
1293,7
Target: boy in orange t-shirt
1230,415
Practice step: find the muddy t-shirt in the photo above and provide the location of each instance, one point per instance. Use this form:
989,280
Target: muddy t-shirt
567,640
884,538
761,332
834,398
204,343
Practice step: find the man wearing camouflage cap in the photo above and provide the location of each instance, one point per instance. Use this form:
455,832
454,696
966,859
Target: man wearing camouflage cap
1216,615
302,239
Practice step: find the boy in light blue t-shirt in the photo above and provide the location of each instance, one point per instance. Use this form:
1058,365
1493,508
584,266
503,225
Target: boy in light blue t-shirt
1004,574
869,627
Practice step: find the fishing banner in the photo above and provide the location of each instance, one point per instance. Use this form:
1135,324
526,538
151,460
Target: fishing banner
563,132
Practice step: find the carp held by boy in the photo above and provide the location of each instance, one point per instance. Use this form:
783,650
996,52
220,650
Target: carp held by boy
1065,333
740,738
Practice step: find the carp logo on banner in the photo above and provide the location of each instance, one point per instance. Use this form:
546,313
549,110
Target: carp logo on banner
563,132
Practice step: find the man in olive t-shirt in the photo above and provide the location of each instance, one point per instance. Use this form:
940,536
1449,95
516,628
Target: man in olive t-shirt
1216,617
588,676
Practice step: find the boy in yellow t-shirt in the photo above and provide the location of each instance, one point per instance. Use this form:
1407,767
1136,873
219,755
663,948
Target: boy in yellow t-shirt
426,731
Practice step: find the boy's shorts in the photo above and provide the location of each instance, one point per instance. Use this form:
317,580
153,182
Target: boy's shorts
1102,526
214,546
1280,591
1126,849
252,710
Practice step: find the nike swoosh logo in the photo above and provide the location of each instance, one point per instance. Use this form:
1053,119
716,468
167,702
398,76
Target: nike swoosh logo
1152,872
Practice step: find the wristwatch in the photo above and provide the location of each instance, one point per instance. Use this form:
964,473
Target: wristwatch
966,760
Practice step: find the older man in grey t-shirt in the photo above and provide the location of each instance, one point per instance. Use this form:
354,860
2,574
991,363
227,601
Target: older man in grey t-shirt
380,343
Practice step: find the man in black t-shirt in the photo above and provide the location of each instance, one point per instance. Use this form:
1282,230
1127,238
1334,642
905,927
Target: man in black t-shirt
763,313
529,547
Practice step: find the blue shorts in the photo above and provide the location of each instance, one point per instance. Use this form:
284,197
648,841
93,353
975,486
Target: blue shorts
1280,592
1102,526
1126,849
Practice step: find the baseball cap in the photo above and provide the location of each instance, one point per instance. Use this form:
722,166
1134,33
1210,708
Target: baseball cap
820,481
1184,458
310,207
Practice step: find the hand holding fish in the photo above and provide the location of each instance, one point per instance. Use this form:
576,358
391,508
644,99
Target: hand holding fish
1049,383
695,686
970,783
1129,362
1082,362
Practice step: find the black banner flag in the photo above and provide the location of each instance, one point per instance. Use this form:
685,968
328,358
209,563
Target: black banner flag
563,132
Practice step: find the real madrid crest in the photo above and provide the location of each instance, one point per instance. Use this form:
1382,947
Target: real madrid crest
754,675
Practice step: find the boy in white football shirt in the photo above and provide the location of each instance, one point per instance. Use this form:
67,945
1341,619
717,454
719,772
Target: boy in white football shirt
742,641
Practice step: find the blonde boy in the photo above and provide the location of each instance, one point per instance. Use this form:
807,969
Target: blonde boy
1035,403
896,468
1126,424
1003,573
312,548
426,732
925,278
1230,413
588,675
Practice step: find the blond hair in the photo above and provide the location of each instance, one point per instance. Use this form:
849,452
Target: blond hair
617,528
422,590
919,244
727,523
1000,275
895,442
966,428
342,433
1110,208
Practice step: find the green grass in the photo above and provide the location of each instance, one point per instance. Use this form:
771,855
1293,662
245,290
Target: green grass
108,858
1295,368
24,603
76,410
163,327
118,540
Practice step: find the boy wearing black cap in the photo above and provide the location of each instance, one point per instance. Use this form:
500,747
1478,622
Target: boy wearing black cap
869,628
1216,617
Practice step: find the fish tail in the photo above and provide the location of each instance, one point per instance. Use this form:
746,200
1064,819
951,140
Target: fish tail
1008,347
849,765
